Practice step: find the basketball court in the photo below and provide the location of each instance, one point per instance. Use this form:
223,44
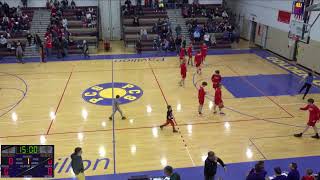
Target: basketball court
68,103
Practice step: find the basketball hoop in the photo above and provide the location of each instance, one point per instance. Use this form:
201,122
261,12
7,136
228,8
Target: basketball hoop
292,41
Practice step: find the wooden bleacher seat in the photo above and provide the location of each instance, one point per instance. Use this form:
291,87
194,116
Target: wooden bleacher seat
89,39
136,29
148,16
142,22
82,30
135,37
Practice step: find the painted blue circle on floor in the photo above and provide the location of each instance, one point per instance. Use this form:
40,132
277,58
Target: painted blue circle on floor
101,94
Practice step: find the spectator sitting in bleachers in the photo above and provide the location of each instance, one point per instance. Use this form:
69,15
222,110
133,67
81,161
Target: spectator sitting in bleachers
161,5
64,4
197,35
79,14
136,21
155,28
72,4
178,30
24,3
172,46
65,23
29,38
165,45
206,39
3,42
143,34
225,14
213,40
309,175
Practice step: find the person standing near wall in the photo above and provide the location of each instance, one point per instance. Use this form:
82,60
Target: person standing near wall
19,53
77,164
307,84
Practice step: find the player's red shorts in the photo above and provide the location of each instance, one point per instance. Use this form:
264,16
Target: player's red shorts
215,86
198,65
201,101
204,55
218,102
181,57
190,55
183,74
312,123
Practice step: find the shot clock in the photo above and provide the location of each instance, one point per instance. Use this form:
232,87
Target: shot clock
27,161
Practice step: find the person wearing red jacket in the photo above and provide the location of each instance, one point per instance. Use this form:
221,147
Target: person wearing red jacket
48,41
198,62
189,51
218,100
216,79
183,71
314,115
201,96
182,53
204,51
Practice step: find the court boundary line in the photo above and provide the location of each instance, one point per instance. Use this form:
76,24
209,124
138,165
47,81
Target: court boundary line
21,99
260,152
259,90
60,100
145,127
164,97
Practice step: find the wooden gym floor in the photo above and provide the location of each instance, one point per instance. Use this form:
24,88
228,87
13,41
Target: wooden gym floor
43,104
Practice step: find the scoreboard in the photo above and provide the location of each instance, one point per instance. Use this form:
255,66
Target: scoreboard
298,8
27,161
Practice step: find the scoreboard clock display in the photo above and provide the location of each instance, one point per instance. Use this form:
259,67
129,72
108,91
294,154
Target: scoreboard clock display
27,161
298,8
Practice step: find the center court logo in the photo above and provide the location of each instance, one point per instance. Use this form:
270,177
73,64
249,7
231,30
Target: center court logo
101,94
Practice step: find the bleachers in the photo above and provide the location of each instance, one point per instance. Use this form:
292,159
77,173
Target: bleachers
18,36
79,30
131,32
202,20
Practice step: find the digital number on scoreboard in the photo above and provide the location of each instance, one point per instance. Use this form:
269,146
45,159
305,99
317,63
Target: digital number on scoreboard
27,161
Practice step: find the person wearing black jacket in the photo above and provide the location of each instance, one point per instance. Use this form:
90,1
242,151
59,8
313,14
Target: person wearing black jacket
210,166
77,164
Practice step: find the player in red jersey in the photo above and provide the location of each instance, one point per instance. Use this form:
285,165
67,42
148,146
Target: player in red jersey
314,115
170,119
198,62
204,51
201,96
189,51
216,79
218,100
183,71
182,53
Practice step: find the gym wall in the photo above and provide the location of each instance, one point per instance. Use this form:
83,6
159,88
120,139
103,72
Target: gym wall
265,12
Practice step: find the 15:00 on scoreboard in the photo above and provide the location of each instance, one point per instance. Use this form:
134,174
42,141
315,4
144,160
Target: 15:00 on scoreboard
27,161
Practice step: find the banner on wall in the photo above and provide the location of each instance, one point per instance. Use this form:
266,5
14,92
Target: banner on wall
284,17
